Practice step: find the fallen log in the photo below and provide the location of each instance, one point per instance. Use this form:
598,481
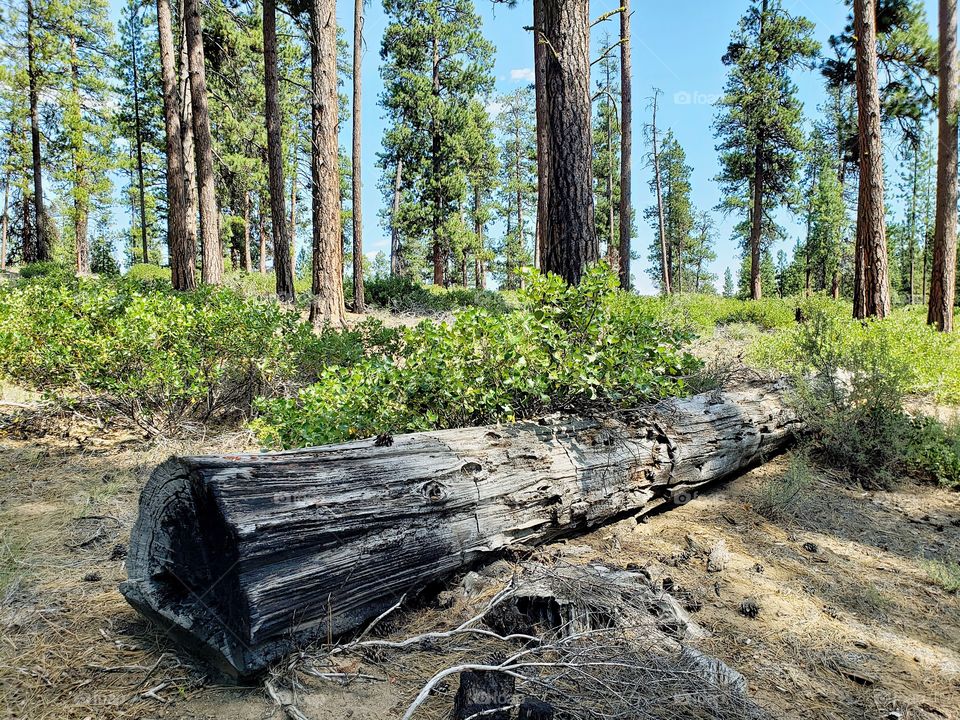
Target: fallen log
246,557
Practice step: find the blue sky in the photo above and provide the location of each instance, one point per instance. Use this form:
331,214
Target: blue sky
677,48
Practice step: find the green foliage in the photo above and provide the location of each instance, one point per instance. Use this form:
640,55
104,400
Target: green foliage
565,348
159,356
703,312
403,294
45,269
927,359
147,272
851,379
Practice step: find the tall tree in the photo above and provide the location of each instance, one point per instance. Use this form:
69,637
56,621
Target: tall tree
606,155
436,64
759,126
626,145
212,265
943,287
358,300
182,249
518,183
871,294
664,264
39,249
326,306
278,213
543,134
571,234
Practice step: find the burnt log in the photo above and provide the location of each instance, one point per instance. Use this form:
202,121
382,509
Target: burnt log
247,557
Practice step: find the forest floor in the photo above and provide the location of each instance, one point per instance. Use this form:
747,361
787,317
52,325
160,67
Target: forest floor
851,625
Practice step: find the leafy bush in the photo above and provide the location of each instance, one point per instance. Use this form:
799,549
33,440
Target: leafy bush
926,359
703,312
148,272
160,356
564,349
850,380
403,294
48,268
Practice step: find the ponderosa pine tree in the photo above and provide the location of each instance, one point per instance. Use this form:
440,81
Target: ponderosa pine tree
677,213
518,183
626,145
435,63
85,138
326,306
571,238
871,287
278,213
606,156
759,126
943,285
663,261
212,254
181,244
356,185
480,157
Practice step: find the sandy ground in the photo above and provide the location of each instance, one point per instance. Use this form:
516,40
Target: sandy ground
850,623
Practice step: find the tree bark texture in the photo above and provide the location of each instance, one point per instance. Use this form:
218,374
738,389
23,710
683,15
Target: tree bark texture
138,138
327,303
872,276
212,267
626,144
358,299
39,250
181,244
572,239
248,556
278,212
944,277
543,134
396,252
186,136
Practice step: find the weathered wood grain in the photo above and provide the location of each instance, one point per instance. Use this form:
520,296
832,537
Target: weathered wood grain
246,556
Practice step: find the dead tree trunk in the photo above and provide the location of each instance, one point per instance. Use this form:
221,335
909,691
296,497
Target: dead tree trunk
246,556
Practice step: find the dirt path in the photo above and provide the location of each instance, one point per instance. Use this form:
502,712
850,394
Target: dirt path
850,625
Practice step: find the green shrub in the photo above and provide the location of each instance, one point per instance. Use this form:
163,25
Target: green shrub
784,495
148,272
927,360
46,269
703,312
564,349
851,380
403,294
945,573
159,356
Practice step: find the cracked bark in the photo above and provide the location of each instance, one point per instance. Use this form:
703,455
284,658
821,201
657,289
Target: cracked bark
245,557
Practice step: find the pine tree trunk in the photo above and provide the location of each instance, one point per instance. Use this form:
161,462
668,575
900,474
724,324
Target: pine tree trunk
81,202
327,303
611,235
626,144
294,174
943,280
872,282
396,258
543,135
262,232
665,269
278,211
247,258
5,222
358,299
756,221
138,141
181,245
479,280
572,243
439,252
40,250
186,135
212,268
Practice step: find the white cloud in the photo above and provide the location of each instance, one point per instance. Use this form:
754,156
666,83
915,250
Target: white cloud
494,108
522,75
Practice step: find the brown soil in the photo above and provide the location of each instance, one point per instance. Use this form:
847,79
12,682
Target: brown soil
851,628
